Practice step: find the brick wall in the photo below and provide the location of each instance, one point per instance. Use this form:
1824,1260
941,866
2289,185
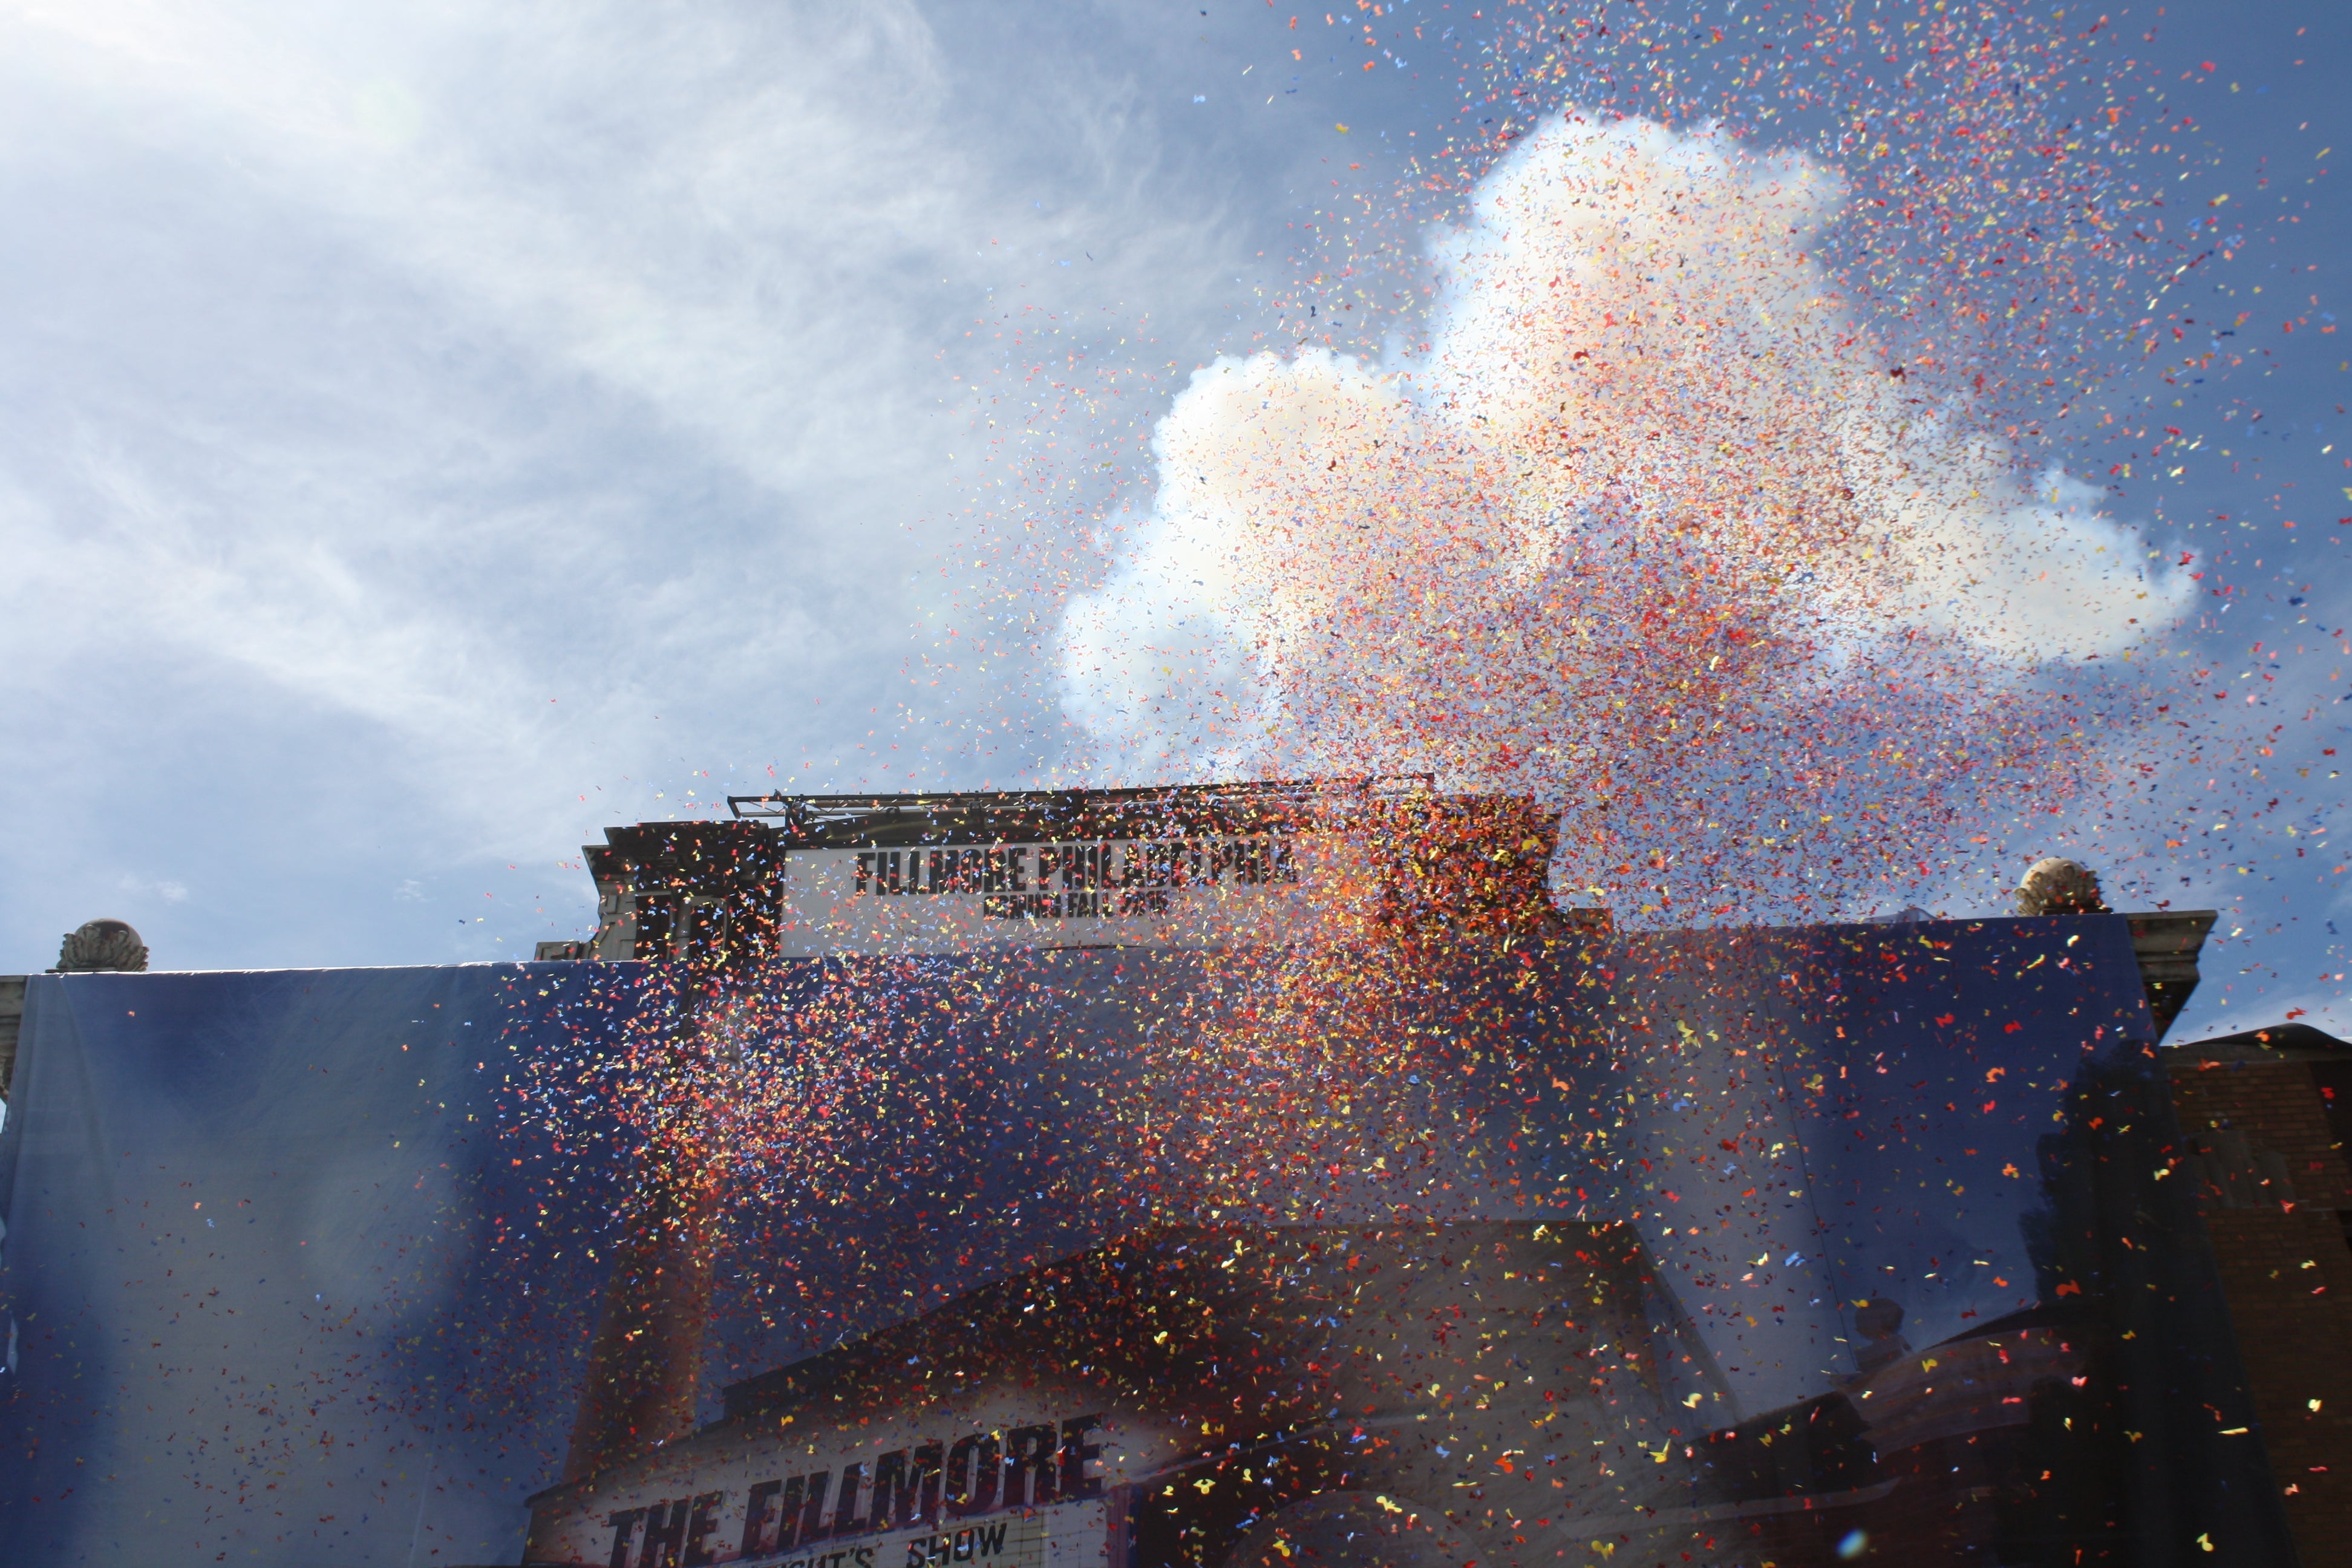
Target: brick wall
2275,1191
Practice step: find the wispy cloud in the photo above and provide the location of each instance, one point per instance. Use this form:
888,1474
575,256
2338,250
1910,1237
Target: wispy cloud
483,406
164,888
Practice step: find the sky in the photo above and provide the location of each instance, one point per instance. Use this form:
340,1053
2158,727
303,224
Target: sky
435,434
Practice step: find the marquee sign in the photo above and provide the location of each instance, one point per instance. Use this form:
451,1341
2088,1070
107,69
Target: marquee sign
1162,892
1011,1492
1183,867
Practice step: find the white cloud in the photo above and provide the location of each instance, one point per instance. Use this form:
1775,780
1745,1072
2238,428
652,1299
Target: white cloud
1648,458
164,888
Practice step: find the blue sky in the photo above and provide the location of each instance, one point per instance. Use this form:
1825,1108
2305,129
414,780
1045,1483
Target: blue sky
434,433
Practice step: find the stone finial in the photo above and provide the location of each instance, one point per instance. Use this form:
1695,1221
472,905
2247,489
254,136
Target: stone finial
2059,887
100,945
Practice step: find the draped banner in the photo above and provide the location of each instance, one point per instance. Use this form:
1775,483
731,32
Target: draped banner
1728,1247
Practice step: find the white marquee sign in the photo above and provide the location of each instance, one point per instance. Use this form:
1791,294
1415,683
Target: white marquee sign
1204,892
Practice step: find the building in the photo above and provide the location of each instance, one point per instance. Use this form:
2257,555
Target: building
2267,1113
1050,1417
1151,1401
